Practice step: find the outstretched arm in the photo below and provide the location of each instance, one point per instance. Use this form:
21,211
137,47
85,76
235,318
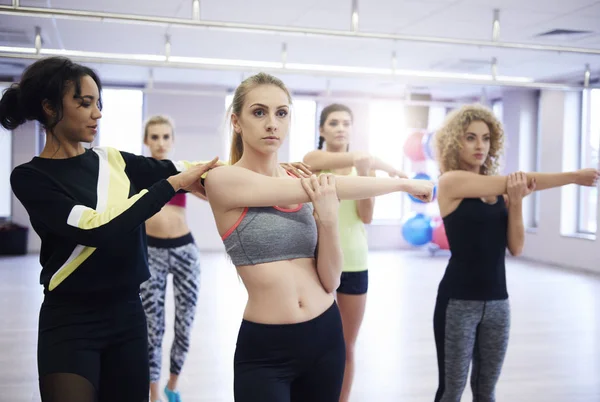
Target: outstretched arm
366,207
235,187
324,160
551,180
462,184
145,171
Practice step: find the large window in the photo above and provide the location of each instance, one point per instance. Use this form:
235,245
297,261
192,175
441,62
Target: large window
121,124
538,160
590,141
387,133
304,128
5,169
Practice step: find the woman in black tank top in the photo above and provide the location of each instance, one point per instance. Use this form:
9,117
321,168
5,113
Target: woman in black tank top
482,213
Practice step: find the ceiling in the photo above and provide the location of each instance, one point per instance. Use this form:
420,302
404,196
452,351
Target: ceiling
521,21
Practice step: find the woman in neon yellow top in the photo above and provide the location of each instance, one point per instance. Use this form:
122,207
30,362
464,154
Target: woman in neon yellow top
335,126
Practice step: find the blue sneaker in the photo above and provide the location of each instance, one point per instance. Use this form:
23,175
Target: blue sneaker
172,396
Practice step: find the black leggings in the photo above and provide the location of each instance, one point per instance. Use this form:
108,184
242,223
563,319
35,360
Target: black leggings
93,349
291,362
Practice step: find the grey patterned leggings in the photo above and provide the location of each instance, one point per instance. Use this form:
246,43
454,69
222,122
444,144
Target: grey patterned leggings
179,257
470,331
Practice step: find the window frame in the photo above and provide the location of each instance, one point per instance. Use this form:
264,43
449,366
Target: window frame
584,139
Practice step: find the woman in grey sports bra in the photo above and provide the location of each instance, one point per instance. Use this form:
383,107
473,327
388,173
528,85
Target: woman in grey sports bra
281,234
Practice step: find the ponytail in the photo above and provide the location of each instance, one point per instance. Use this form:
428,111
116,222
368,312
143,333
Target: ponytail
11,112
321,141
237,148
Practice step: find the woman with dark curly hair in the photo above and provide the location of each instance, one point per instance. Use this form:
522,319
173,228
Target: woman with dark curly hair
482,214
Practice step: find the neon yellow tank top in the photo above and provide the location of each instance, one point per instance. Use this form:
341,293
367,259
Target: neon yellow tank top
353,235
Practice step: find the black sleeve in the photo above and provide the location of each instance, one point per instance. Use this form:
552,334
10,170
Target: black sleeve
144,171
50,206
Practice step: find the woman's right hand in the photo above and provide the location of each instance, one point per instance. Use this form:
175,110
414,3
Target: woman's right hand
189,179
420,189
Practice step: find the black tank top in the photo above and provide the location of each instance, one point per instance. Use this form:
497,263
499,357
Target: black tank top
477,235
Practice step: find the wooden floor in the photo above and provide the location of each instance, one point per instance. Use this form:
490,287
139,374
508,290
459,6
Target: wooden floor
553,356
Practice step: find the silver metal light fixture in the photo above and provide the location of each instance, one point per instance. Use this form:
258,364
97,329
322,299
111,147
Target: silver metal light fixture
196,10
283,54
496,26
38,40
354,21
586,76
167,47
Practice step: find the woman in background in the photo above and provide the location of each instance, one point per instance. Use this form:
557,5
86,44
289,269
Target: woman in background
171,250
335,127
482,214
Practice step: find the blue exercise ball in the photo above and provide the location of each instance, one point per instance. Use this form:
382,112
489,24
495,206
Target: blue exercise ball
428,145
417,229
422,176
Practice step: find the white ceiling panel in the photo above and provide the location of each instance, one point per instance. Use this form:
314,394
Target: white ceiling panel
474,22
592,10
154,8
373,19
534,6
272,12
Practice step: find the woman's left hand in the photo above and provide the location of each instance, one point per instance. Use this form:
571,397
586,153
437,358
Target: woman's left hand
323,195
517,187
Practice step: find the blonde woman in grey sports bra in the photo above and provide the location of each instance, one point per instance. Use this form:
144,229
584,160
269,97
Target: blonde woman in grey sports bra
281,233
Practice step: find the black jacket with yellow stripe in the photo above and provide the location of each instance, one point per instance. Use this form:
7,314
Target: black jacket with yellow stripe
89,212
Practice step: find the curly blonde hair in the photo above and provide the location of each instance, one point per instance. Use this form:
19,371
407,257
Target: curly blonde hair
448,144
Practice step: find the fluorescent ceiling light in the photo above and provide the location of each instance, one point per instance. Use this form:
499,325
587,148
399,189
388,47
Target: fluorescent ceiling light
101,55
161,60
225,62
406,73
24,50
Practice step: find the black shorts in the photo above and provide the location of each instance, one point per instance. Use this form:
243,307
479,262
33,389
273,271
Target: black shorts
102,338
354,283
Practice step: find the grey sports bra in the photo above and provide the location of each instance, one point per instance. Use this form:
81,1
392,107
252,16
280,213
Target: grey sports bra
268,234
